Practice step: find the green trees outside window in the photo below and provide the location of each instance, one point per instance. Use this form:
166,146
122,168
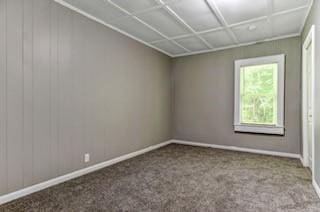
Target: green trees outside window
258,92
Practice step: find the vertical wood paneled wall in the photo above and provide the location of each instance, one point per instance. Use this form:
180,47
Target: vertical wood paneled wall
70,86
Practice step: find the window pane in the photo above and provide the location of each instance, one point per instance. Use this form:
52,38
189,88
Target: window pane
258,90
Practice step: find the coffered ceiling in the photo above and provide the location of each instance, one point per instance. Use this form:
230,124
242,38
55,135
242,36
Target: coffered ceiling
186,27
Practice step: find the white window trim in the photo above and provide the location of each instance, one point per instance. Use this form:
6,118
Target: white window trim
277,129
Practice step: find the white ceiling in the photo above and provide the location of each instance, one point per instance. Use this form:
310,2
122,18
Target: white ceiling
185,27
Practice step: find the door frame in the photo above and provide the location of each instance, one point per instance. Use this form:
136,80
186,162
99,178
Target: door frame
310,40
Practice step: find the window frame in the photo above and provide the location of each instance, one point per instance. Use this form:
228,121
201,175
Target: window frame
277,129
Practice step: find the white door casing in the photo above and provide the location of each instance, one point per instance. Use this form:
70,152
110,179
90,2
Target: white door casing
309,103
308,70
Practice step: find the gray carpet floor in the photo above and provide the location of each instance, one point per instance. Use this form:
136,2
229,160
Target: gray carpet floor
184,178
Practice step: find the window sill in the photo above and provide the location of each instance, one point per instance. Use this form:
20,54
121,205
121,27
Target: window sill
272,130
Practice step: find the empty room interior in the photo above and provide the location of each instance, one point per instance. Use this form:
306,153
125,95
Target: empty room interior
160,105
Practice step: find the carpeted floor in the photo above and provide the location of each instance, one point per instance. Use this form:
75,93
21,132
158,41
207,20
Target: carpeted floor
183,178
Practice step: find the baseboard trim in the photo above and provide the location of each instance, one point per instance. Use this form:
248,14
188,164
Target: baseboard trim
37,187
302,161
316,187
239,149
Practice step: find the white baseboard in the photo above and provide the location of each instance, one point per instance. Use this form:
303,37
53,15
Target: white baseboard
316,187
29,190
302,161
239,149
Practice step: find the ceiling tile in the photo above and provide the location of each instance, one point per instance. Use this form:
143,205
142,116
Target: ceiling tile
192,43
282,5
289,23
240,15
235,11
218,38
98,8
196,13
134,6
137,29
164,22
260,31
169,47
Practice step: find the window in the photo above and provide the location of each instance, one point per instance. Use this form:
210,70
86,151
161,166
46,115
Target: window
259,95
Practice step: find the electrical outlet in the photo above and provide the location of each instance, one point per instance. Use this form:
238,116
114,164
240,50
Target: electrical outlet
87,158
